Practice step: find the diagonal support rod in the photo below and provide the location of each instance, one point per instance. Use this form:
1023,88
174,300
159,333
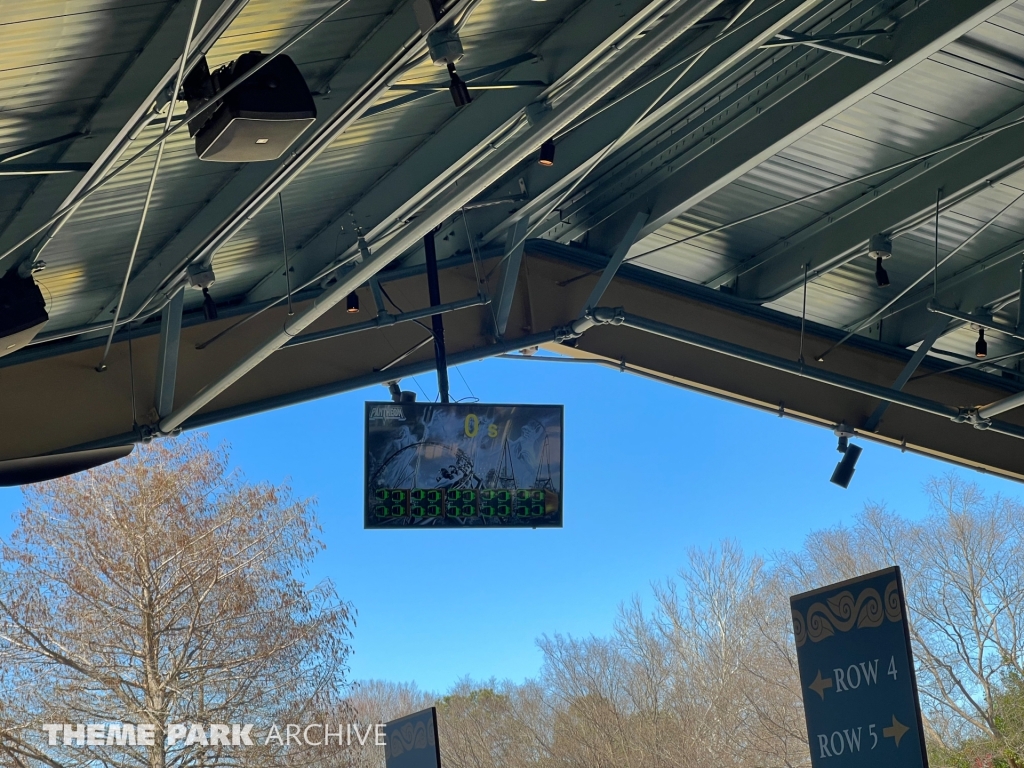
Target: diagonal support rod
616,260
934,332
42,169
795,38
152,182
27,150
824,38
167,359
515,243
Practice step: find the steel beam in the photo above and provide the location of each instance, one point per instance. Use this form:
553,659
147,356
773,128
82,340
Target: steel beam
647,112
977,285
769,114
167,355
459,151
898,204
78,407
1001,406
458,193
983,321
515,242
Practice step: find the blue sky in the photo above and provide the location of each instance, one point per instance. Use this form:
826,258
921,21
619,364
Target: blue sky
651,470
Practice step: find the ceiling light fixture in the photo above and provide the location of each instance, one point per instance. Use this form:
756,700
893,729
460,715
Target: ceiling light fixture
880,248
547,153
843,473
458,88
352,303
881,276
209,305
981,348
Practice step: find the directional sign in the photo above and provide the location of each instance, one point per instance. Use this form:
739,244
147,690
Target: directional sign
411,741
857,674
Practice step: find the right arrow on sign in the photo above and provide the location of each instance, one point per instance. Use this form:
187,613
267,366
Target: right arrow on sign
895,731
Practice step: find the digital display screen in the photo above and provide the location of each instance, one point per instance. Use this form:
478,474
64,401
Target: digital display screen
461,465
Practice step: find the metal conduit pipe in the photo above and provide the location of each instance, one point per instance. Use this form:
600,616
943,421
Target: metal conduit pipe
459,194
1001,406
606,316
781,364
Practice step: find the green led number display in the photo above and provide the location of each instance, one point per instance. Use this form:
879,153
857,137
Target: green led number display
461,502
390,502
530,503
496,502
424,502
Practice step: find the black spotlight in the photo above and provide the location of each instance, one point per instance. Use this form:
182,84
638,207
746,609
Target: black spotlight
458,88
352,303
981,348
209,305
547,153
847,465
881,276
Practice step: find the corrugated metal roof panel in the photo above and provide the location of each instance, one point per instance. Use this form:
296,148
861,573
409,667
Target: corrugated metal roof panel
898,125
926,107
952,93
1011,18
842,153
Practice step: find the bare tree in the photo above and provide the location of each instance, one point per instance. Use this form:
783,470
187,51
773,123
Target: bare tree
163,589
380,701
963,568
489,724
707,676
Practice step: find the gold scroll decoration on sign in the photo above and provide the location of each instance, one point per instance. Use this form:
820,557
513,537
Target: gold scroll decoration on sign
843,612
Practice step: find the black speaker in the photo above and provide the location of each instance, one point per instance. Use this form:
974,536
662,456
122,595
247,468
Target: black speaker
256,121
22,311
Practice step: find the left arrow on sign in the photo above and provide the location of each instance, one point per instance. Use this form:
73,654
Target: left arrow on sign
820,684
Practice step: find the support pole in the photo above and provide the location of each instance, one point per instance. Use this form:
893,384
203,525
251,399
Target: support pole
436,321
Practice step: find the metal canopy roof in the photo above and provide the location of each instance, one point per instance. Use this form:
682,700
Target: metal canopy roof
740,153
